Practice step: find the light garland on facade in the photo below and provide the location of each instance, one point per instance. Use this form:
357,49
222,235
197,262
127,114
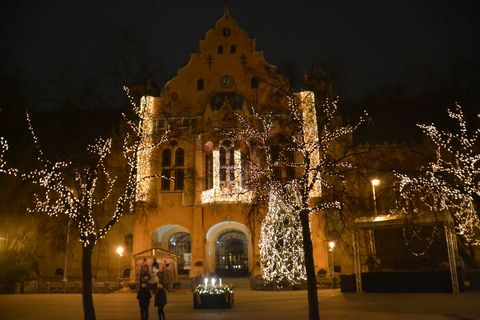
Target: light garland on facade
233,193
450,183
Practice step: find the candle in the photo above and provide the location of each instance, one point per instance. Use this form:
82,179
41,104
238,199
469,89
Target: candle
213,282
206,282
220,282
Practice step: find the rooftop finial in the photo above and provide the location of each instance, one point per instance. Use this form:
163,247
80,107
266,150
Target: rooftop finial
227,13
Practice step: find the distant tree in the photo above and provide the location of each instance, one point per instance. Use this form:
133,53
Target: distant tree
450,183
91,192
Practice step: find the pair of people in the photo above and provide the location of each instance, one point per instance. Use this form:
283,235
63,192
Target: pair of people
144,295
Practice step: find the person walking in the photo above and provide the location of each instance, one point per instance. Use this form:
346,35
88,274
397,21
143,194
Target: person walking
143,297
160,301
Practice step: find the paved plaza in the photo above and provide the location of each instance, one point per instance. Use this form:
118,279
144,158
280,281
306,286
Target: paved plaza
251,305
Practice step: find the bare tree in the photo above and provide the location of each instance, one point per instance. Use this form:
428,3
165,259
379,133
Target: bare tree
292,153
93,192
450,183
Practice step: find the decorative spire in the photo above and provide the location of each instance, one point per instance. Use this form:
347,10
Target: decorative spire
227,13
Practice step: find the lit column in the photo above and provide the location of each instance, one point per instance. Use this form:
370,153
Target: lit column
120,255
331,248
375,182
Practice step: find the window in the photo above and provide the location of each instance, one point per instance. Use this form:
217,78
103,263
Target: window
233,48
209,171
179,179
220,49
175,173
165,179
166,157
254,83
190,124
223,164
159,124
179,157
227,164
200,84
245,168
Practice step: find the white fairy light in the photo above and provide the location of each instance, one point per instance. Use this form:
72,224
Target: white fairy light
450,183
281,244
81,193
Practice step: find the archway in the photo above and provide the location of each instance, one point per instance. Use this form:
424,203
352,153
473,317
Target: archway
231,254
229,244
176,239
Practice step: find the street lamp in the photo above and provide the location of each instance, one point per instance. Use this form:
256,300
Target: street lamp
331,247
375,182
120,254
66,253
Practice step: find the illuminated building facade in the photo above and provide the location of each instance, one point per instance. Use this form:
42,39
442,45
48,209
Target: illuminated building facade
198,209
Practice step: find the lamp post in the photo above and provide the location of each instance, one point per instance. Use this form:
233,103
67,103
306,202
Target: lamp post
67,240
120,254
375,182
331,247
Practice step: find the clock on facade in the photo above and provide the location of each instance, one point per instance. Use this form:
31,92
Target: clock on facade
226,81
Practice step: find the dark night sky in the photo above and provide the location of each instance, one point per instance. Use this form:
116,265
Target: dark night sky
67,43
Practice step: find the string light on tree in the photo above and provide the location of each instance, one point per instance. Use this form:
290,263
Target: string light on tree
450,183
281,245
85,193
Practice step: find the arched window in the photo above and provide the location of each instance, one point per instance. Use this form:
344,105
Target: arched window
200,84
179,157
245,168
254,83
179,179
166,163
231,164
227,163
223,164
220,49
208,171
233,48
166,157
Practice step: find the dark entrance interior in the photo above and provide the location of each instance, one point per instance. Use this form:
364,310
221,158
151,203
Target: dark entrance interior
231,254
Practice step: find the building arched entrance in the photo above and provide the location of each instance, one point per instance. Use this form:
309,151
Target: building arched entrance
229,250
176,239
231,254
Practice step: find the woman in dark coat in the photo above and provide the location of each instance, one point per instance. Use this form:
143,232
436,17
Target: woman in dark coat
160,301
143,297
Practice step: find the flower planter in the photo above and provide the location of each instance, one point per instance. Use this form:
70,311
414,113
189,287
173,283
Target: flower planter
213,298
